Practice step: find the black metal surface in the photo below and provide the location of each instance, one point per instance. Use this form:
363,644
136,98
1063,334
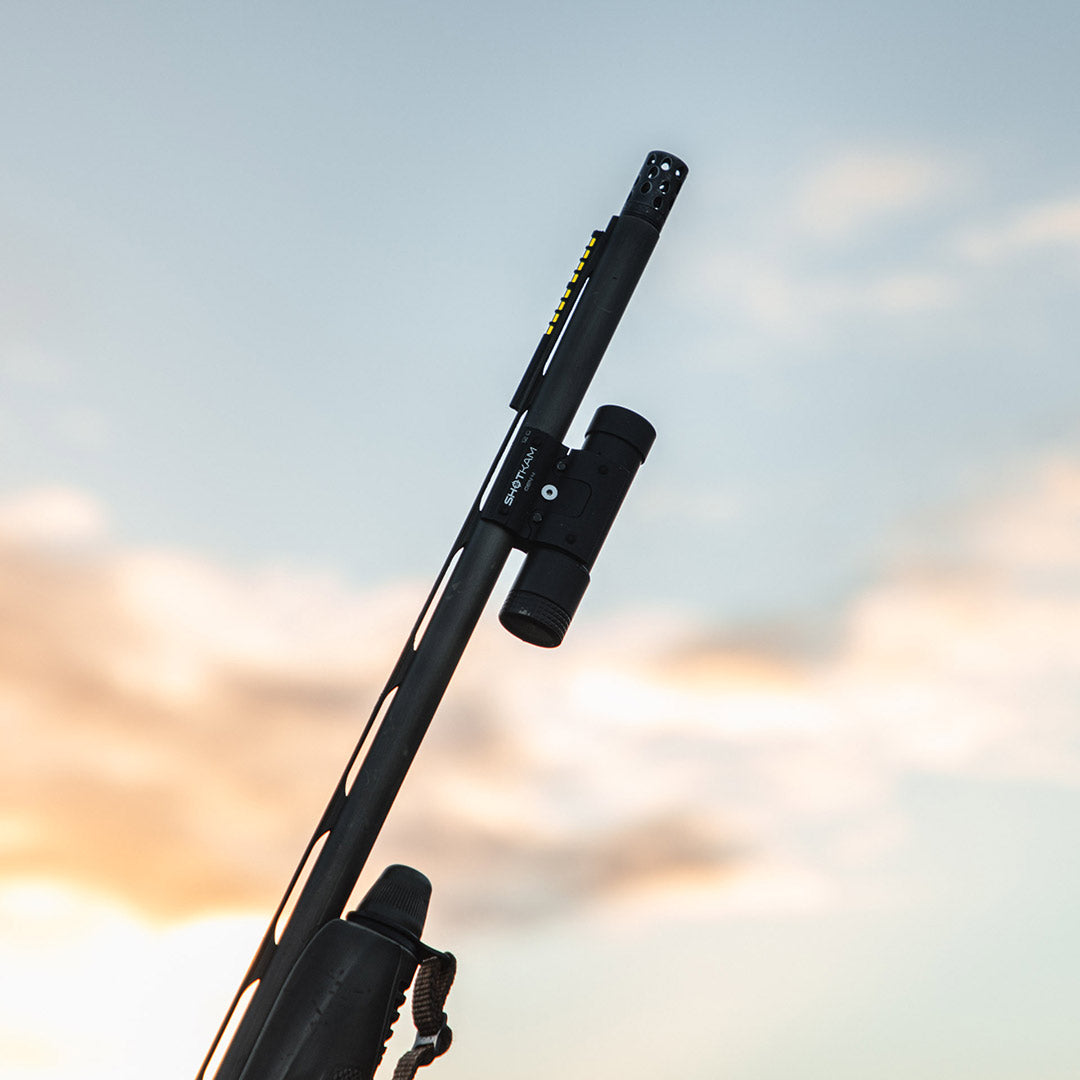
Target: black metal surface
569,511
654,191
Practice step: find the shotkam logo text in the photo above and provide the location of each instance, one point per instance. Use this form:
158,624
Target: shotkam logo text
521,477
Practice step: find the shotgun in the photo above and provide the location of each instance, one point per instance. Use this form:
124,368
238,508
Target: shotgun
324,989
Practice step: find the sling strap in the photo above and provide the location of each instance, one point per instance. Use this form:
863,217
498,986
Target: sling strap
433,1036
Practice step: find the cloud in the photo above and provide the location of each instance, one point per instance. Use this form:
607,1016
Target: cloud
1047,226
54,516
93,989
793,303
886,241
171,729
805,264
859,188
971,665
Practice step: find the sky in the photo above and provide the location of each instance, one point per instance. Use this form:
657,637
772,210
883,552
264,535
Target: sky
797,797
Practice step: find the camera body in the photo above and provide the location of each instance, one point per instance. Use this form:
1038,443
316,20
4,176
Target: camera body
560,505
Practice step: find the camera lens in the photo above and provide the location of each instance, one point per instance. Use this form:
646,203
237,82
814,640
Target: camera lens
544,597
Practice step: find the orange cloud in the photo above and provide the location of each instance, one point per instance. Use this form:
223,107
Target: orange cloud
171,730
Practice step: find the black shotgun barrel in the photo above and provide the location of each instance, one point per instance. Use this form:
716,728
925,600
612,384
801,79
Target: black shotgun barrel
627,247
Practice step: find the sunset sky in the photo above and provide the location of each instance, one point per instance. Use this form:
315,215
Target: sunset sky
798,797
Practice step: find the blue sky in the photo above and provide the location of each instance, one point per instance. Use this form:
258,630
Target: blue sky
804,775
252,253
